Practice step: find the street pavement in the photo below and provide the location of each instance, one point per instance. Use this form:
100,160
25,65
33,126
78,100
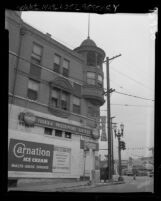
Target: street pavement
141,184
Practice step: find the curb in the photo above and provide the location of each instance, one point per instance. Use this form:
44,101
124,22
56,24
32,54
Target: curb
86,185
90,186
49,185
68,187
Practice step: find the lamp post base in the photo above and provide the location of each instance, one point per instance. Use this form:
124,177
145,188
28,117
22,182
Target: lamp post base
120,178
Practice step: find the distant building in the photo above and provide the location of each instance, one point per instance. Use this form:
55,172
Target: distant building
55,95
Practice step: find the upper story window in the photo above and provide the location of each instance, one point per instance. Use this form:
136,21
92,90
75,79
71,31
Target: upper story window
91,78
57,60
99,61
35,70
100,80
37,51
76,105
66,67
55,96
33,88
59,99
64,100
92,111
91,58
77,89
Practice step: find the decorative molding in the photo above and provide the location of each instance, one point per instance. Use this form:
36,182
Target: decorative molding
62,83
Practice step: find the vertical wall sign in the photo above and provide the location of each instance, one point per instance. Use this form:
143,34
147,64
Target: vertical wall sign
103,128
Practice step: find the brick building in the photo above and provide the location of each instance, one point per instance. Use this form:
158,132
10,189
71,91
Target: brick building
54,98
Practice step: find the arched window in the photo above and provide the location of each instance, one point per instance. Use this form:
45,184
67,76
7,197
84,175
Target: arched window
91,58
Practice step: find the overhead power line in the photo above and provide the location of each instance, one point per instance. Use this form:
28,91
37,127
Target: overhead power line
138,82
133,95
129,105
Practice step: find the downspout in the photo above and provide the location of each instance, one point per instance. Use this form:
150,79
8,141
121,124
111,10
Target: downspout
17,64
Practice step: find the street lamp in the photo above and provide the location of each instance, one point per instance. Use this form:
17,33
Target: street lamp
119,134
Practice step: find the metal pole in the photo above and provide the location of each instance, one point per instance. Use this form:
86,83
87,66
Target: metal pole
112,154
109,114
119,155
112,157
108,118
84,165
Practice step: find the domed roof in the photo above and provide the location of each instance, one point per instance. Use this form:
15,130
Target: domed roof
88,42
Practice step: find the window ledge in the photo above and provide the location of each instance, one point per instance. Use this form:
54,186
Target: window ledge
56,137
59,112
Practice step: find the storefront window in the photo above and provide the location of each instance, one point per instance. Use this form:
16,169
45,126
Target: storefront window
48,131
68,135
58,133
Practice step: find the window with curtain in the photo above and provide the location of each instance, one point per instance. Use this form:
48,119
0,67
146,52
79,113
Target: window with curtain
55,95
35,70
65,67
91,78
64,100
100,80
76,105
33,88
57,60
59,99
99,61
37,51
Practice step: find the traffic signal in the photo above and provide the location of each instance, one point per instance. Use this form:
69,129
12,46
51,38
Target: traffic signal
122,145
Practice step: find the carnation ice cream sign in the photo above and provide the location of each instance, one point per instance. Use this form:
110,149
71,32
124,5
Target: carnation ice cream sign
30,156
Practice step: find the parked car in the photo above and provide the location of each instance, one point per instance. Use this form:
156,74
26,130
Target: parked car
141,173
128,173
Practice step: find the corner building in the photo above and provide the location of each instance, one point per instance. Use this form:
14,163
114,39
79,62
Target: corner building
54,98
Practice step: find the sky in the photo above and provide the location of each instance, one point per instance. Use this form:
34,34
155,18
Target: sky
133,73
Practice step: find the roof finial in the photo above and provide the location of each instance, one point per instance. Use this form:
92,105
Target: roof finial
88,25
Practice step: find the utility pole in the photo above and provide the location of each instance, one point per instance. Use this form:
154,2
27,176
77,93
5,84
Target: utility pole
109,114
112,155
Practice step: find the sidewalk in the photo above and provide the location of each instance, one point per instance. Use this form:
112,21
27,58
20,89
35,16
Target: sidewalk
60,187
48,187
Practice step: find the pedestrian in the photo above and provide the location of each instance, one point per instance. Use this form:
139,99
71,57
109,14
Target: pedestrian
134,176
